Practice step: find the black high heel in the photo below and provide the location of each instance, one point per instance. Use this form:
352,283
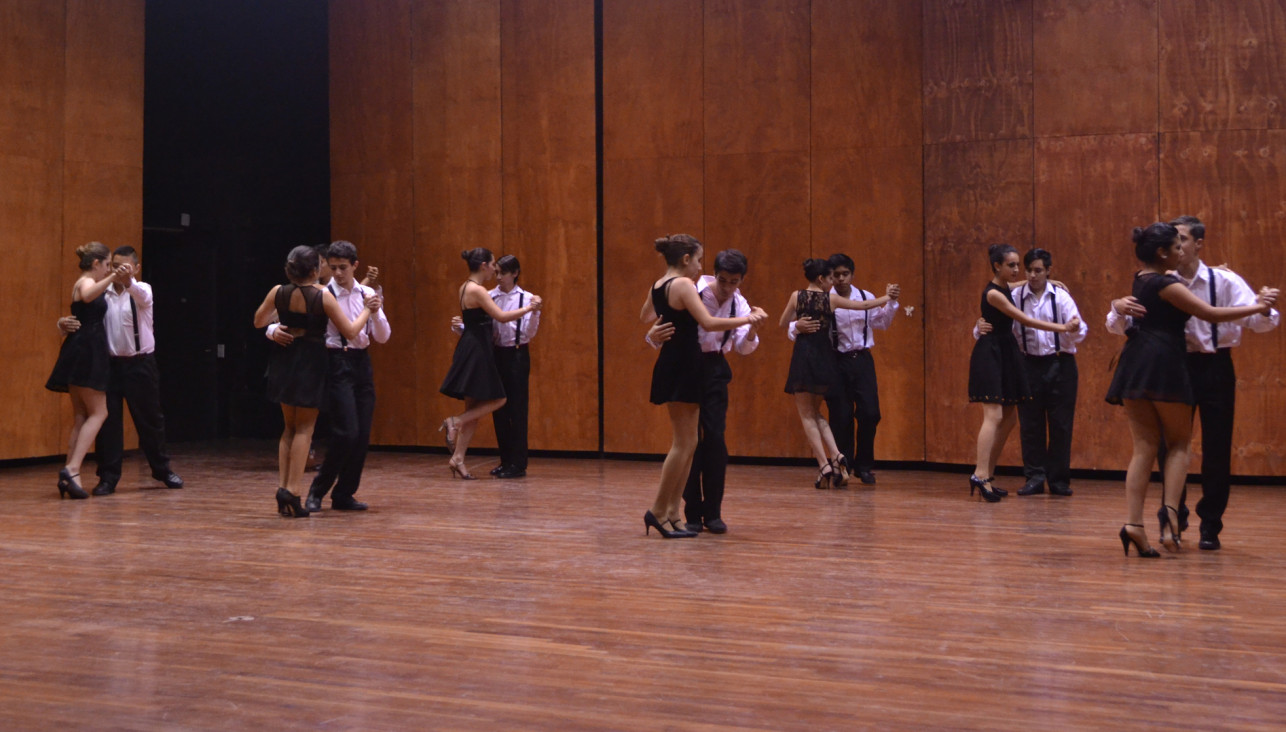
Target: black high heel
997,489
67,485
1174,535
986,492
824,477
1127,539
650,522
288,505
840,472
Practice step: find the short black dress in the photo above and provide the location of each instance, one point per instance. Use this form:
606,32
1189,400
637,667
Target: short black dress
996,371
84,359
813,366
473,373
676,377
297,373
1153,364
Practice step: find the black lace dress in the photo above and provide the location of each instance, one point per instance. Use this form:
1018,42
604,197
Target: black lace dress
676,377
813,363
297,373
997,374
1153,362
84,359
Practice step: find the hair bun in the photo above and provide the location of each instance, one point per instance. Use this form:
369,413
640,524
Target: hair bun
464,254
662,244
1137,235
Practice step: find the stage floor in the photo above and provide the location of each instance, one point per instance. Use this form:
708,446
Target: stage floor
539,604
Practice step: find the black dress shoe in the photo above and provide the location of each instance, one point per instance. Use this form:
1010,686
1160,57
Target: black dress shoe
313,503
717,526
104,488
1209,543
1060,490
695,528
496,471
171,479
511,473
1032,488
348,505
866,477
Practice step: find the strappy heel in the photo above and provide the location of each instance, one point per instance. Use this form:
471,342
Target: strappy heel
1173,535
288,505
824,477
840,471
985,491
650,522
452,430
995,488
1127,539
458,471
67,485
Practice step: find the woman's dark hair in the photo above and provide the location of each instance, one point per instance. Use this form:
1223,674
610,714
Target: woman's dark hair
675,246
814,268
842,260
509,264
302,263
731,261
1159,235
996,254
90,253
1038,253
476,257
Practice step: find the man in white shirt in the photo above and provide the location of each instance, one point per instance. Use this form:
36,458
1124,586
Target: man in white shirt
134,378
350,385
1045,421
1214,381
858,397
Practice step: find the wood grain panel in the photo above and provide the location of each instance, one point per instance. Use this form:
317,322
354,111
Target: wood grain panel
756,76
868,203
1235,181
32,80
975,195
977,70
31,238
1095,66
374,211
853,105
652,79
370,85
549,215
645,198
105,84
758,203
1090,193
1223,64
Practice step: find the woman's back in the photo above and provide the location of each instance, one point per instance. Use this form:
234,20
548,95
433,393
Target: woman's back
311,320
1162,317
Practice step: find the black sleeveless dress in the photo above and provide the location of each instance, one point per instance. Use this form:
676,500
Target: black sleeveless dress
297,373
473,371
1153,363
813,366
84,359
996,371
676,377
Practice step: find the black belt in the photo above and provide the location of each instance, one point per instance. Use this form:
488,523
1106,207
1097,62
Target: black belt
522,347
855,352
1221,353
131,358
1060,354
346,351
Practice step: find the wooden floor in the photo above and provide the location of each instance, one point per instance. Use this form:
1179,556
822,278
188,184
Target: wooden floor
540,604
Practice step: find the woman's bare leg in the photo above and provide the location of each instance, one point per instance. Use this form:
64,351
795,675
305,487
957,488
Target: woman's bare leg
284,444
1008,418
94,405
809,416
992,416
1176,425
1145,431
304,419
678,461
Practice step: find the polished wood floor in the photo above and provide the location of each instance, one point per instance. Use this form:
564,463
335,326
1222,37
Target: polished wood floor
540,604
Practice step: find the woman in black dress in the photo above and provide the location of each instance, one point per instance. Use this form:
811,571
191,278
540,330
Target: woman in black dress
84,363
676,377
1151,380
997,378
297,372
473,375
813,367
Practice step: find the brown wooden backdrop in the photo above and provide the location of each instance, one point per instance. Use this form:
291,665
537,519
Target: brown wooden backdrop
71,171
909,135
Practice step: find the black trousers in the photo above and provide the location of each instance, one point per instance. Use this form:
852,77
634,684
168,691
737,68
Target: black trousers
1045,421
703,494
350,405
514,365
137,381
857,398
1214,381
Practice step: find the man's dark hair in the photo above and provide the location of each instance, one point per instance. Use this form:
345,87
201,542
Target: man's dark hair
508,264
1195,227
125,250
1037,253
731,261
842,260
342,250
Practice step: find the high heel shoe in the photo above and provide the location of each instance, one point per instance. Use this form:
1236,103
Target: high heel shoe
1173,536
824,477
1127,539
452,430
840,472
650,522
458,471
288,504
67,485
985,491
996,488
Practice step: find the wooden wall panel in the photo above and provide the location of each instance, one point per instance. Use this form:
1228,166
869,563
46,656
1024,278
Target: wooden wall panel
1235,181
549,206
370,89
853,105
869,203
977,70
32,79
975,194
1091,192
105,87
1095,65
1223,64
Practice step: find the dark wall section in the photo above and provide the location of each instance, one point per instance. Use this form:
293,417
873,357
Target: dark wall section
236,136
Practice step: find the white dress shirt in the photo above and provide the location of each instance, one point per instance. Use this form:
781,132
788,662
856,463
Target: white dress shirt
1230,291
855,328
503,333
736,306
1053,305
351,303
119,320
